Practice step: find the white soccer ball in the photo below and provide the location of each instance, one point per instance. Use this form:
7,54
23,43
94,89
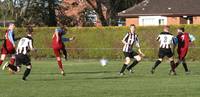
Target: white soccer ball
103,62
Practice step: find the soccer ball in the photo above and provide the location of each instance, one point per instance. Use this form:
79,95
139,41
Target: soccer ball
103,62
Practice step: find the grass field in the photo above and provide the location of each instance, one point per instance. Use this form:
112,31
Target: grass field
87,78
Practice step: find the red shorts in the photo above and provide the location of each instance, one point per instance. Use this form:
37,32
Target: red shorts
57,52
182,53
7,51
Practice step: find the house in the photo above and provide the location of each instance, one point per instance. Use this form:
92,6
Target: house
163,12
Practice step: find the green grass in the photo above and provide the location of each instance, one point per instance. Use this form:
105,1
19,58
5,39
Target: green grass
87,78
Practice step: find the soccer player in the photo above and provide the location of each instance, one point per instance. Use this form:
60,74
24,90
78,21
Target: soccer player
183,41
129,40
8,46
22,54
166,40
58,45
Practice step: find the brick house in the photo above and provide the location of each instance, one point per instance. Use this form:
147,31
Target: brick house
163,12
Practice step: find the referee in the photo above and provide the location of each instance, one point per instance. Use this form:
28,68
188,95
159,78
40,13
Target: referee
129,40
22,56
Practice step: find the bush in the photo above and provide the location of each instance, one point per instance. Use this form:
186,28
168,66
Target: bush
98,42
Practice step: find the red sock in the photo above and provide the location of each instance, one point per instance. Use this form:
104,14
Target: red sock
1,61
60,64
12,61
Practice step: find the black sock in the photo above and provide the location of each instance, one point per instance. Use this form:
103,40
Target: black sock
123,68
14,68
133,64
26,73
176,64
156,64
64,52
185,67
173,66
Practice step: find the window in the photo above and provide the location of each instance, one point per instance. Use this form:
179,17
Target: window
152,20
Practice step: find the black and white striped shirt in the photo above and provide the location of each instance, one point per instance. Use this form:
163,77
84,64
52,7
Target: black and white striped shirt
166,39
130,39
25,45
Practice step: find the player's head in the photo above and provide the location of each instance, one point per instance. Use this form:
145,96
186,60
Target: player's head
132,27
181,29
11,26
29,30
64,29
166,28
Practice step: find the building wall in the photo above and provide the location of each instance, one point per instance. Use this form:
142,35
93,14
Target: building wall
130,21
173,20
196,20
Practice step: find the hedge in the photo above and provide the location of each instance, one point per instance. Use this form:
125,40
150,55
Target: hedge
99,42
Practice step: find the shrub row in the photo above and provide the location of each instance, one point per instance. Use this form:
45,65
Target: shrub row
98,42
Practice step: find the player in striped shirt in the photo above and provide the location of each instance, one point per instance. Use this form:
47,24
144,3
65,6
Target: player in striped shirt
129,40
166,40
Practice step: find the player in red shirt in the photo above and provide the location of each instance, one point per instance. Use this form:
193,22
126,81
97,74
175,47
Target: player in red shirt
58,45
8,46
183,41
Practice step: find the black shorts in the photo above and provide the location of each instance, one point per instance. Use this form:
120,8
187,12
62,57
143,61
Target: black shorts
130,54
165,52
22,59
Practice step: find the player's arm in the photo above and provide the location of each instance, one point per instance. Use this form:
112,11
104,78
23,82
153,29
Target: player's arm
67,39
31,45
174,44
137,44
123,40
192,38
57,36
158,38
11,38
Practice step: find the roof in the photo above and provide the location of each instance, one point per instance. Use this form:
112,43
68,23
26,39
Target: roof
163,8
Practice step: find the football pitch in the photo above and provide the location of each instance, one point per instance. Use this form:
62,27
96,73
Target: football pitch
87,78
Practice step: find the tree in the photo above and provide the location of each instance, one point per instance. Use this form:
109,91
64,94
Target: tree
40,12
113,7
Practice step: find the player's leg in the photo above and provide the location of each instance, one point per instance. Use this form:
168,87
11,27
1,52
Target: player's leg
64,52
12,59
161,55
185,66
173,66
11,63
3,56
58,58
27,71
137,58
156,65
127,61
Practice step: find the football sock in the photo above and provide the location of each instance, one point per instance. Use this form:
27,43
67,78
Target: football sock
60,65
14,68
26,73
133,64
185,67
172,66
123,68
176,64
1,61
156,64
65,53
12,61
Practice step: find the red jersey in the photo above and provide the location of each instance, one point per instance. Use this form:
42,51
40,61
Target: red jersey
57,41
183,44
9,40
